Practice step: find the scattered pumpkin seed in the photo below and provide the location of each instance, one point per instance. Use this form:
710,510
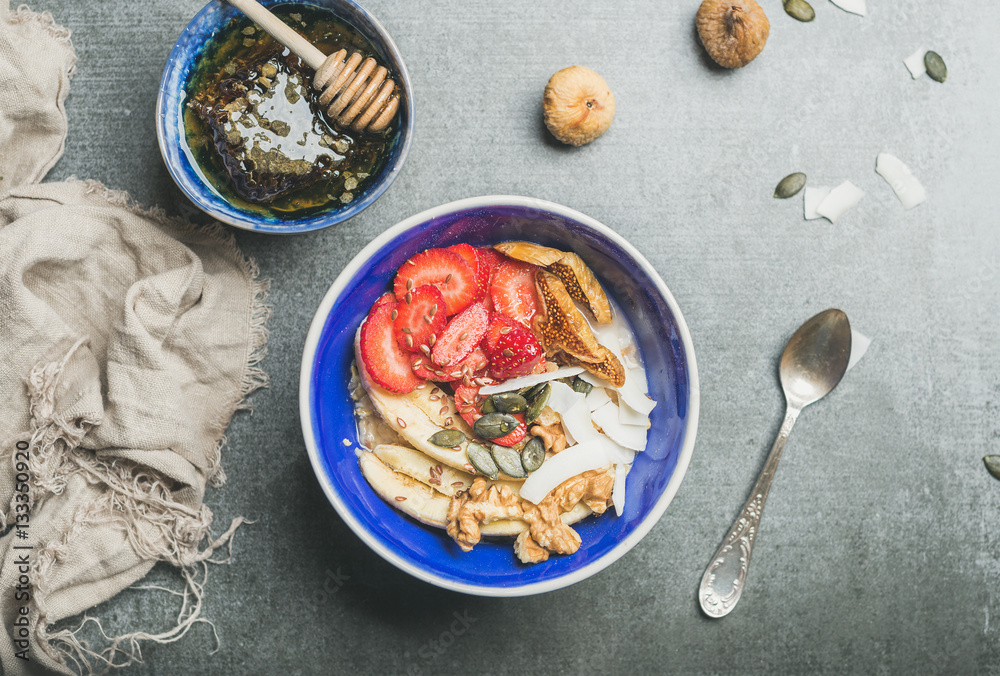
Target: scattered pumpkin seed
495,425
533,454
489,406
509,461
538,403
790,185
799,9
481,459
447,438
581,385
509,402
993,464
936,69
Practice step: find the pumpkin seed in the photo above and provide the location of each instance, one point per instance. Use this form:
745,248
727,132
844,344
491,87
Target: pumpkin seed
992,464
447,438
538,403
799,9
530,393
495,425
509,402
936,69
509,461
533,454
581,385
790,185
482,460
489,406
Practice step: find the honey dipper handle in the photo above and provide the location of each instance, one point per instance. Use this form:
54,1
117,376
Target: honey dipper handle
281,32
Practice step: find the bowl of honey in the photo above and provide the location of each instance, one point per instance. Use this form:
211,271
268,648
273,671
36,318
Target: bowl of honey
246,136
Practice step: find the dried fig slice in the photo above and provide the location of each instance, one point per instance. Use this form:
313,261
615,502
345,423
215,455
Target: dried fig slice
608,367
529,252
583,286
562,326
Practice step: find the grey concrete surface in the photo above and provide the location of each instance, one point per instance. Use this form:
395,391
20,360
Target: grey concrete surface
879,551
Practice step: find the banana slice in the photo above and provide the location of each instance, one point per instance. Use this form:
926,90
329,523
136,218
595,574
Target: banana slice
419,466
425,504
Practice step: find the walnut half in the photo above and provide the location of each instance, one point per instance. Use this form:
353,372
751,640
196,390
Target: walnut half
484,502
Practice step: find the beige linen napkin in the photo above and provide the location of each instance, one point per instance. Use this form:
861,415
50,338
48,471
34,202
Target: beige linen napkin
127,341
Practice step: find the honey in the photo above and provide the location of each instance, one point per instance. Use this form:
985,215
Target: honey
254,129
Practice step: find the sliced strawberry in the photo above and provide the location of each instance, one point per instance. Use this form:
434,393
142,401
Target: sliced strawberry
516,435
513,291
490,259
424,368
499,325
461,336
515,354
469,403
387,297
453,277
386,362
419,316
472,366
470,255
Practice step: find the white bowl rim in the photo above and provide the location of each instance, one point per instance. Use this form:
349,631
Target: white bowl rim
306,418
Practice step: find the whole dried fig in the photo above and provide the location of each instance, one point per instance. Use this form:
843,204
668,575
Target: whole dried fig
733,31
579,107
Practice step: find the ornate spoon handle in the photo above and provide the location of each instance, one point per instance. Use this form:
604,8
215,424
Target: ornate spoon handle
722,584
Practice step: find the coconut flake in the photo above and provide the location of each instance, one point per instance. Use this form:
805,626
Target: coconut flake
628,436
562,466
577,423
859,345
843,197
615,452
902,181
852,6
531,380
629,392
618,491
598,397
563,397
813,198
629,416
915,63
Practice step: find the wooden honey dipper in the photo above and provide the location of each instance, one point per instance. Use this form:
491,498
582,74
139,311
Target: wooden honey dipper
364,98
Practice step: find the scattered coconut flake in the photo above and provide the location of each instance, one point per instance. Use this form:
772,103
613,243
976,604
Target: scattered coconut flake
576,422
618,491
839,201
813,198
562,466
628,436
915,63
531,380
859,345
629,416
598,397
902,181
346,442
852,6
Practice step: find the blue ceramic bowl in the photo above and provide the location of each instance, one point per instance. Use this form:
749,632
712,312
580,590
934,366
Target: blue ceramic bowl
491,569
181,163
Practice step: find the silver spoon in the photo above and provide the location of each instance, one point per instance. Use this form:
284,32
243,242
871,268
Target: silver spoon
812,364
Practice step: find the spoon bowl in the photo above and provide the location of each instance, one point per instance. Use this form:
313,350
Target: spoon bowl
813,363
815,358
